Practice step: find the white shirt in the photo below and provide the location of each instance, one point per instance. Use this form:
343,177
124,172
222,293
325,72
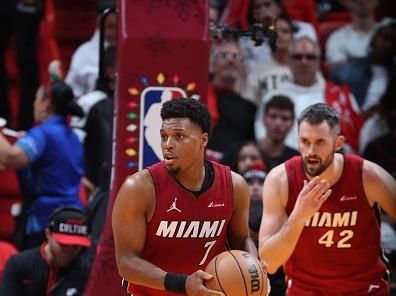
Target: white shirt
265,77
301,96
84,67
346,42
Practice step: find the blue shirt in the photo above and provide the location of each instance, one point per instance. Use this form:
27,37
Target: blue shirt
53,177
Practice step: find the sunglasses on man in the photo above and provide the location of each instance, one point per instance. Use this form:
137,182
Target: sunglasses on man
309,57
222,55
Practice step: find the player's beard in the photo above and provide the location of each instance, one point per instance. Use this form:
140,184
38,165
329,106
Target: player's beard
322,166
173,170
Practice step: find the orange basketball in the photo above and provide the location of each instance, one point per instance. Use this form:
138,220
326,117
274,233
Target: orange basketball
237,273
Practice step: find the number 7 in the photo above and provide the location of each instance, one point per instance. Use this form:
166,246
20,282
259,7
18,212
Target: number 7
209,246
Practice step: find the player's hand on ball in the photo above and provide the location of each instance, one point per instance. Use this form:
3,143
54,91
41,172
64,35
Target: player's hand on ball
195,285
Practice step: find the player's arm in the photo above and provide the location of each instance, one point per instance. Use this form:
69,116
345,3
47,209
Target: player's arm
129,222
279,232
380,187
238,229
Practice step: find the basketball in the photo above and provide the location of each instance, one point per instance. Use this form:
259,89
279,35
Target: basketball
237,273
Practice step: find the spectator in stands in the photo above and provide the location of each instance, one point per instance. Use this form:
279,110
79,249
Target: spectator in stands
84,67
380,132
96,210
6,251
216,8
241,156
49,159
352,39
58,266
368,76
97,124
255,176
265,12
309,87
278,120
273,73
22,19
233,115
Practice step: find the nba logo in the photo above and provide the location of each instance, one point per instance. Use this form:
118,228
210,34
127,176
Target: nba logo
151,101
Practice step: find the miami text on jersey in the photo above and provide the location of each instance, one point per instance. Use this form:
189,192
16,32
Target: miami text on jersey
193,229
327,219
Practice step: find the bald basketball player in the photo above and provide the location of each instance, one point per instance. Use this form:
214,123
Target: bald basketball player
171,219
320,214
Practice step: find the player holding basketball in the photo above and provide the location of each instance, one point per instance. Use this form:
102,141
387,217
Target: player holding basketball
171,219
319,218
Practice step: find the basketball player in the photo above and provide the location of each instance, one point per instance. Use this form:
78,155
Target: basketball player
171,219
319,218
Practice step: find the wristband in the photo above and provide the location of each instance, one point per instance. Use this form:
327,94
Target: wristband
175,282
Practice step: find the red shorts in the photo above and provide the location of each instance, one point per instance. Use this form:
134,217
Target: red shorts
380,288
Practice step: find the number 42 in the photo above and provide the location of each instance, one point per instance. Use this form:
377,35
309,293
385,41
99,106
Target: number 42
327,239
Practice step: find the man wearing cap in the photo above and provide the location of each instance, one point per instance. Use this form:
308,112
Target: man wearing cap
255,176
57,267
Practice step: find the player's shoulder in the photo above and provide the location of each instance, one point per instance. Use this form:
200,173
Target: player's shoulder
140,181
137,191
236,177
371,172
277,174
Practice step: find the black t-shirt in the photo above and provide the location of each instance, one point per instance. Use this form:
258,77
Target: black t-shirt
98,142
26,274
287,153
382,152
236,121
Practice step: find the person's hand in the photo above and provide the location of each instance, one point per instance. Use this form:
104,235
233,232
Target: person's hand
195,285
311,198
55,70
263,266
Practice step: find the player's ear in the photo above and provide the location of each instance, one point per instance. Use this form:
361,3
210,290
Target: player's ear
204,139
340,140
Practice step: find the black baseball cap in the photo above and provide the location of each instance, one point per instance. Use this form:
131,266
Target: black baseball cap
68,225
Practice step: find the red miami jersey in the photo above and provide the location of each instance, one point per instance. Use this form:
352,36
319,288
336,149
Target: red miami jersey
186,231
339,248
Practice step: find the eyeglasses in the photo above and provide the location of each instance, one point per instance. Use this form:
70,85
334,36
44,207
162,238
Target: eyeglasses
221,55
309,57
